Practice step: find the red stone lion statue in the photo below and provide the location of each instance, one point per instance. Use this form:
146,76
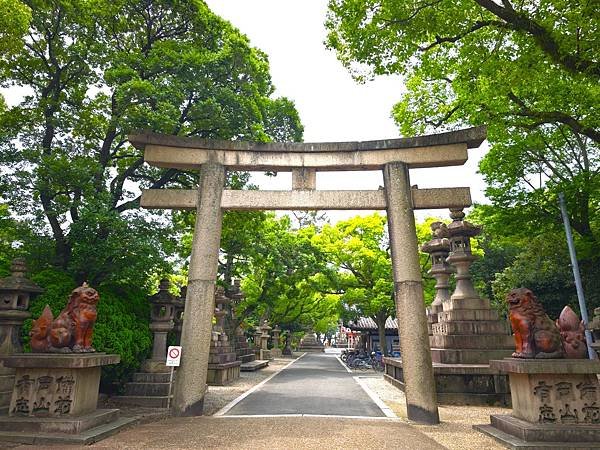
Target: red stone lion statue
72,330
536,336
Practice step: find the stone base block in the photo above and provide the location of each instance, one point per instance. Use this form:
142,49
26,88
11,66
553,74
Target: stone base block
56,385
85,437
459,384
253,366
471,327
265,354
468,314
246,358
222,374
466,303
469,341
69,425
276,352
467,355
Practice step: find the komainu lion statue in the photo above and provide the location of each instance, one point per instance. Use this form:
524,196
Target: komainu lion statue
536,336
72,330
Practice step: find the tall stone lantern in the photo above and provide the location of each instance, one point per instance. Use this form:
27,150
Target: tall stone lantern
15,293
461,257
162,314
438,248
276,351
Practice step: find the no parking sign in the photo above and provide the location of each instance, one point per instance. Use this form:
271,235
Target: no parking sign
173,356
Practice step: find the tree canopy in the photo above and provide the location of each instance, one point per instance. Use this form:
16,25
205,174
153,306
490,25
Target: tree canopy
528,70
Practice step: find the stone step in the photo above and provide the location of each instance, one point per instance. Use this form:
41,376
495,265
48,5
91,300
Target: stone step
85,438
478,327
467,355
140,400
465,341
147,389
143,377
254,365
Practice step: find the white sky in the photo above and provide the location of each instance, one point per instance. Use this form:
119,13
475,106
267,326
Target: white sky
332,106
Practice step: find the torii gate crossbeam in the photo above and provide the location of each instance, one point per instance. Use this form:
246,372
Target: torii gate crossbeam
393,156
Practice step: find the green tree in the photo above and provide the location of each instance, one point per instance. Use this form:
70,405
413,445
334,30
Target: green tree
97,72
358,249
528,70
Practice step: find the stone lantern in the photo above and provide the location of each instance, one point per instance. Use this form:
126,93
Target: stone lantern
221,305
276,351
265,353
438,248
257,341
162,314
460,233
15,293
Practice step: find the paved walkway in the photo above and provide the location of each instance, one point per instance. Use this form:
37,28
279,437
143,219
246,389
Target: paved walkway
316,384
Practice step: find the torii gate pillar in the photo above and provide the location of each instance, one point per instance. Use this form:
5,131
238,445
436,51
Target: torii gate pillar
190,383
421,397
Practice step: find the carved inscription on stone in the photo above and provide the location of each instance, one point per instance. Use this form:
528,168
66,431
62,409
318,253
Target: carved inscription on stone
568,402
43,396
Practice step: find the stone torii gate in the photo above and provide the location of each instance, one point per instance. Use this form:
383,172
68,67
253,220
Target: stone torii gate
393,156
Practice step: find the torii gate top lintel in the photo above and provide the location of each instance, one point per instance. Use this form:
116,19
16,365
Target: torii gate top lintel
444,149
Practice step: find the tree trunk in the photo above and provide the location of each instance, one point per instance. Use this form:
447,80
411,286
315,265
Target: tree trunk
380,319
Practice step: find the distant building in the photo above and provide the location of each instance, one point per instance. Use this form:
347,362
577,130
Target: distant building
370,334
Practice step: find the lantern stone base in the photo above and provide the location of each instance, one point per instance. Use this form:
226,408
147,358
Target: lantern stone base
459,384
276,352
54,399
556,403
222,374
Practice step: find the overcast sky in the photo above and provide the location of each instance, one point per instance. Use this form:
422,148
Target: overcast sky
332,106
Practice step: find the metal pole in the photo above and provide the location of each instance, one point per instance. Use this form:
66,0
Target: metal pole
576,275
170,384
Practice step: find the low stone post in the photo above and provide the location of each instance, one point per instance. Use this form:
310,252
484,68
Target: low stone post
421,397
265,353
15,293
276,351
257,342
162,313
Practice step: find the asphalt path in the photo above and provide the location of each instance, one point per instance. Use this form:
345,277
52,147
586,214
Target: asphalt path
316,384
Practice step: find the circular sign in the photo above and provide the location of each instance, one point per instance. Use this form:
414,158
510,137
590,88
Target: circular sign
174,353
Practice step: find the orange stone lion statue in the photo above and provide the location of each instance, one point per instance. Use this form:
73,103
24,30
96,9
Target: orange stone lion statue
536,335
71,331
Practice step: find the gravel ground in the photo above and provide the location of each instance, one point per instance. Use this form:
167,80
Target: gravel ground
456,430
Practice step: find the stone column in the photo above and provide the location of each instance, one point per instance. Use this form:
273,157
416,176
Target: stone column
190,383
276,350
421,397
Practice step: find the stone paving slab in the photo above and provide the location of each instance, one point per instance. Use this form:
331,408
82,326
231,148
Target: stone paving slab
315,384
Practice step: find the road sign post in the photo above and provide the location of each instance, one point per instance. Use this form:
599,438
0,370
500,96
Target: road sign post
173,360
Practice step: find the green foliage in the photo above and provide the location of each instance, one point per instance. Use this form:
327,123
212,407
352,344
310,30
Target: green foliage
14,21
122,325
528,71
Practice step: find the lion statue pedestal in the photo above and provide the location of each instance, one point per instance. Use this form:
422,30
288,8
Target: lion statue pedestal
55,393
555,391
